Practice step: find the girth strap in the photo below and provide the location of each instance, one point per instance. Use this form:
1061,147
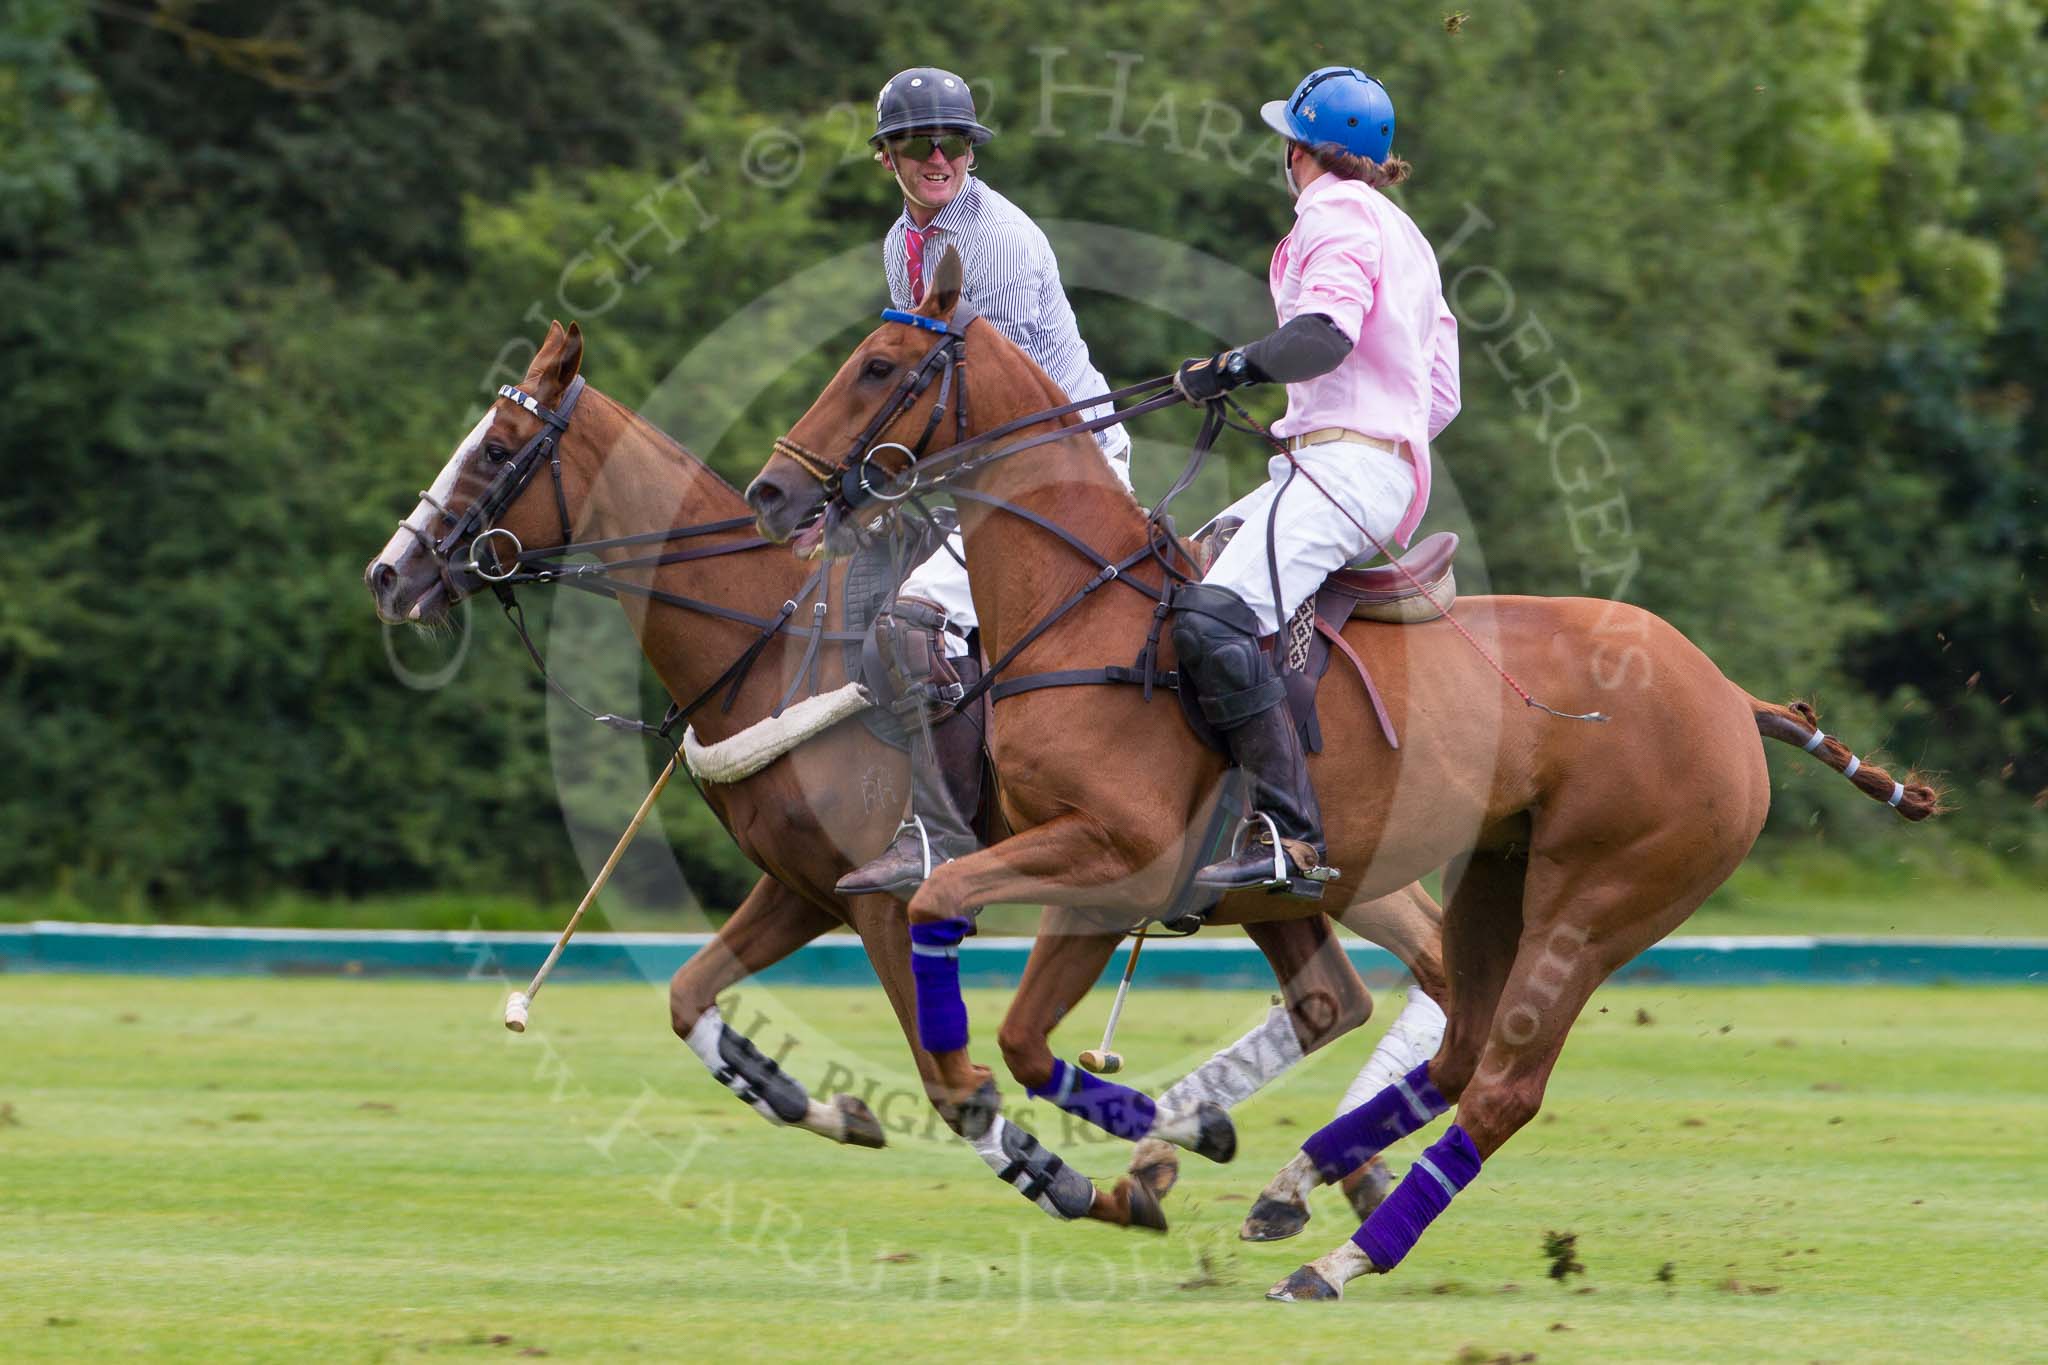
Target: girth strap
1082,677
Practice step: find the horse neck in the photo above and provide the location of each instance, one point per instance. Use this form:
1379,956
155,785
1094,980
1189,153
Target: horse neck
1019,572
639,480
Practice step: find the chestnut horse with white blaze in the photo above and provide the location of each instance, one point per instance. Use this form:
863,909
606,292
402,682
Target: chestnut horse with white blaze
553,455
1569,847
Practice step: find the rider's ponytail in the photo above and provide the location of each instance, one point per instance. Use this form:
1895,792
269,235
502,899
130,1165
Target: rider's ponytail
1348,166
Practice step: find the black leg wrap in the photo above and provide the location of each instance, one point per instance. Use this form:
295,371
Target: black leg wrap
758,1080
1040,1176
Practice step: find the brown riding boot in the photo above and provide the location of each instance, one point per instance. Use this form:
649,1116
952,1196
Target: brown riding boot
946,769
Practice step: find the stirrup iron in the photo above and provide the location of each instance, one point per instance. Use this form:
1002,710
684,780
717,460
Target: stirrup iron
1307,883
924,840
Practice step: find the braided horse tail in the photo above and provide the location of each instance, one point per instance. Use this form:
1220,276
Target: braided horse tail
1914,798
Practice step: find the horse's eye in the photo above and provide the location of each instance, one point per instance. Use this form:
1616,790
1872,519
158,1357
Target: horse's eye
878,368
496,453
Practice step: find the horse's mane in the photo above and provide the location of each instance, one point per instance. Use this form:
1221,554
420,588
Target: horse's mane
1058,397
677,452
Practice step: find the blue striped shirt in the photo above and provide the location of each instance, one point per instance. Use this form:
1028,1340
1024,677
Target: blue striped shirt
1013,278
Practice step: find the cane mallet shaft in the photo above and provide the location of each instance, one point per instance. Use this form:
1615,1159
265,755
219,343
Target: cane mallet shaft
522,1001
1102,1061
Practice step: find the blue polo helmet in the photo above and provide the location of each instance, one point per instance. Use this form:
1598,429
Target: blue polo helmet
926,97
1339,104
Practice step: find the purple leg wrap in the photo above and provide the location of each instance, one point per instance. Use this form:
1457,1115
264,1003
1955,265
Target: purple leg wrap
1115,1109
1347,1142
935,966
1449,1165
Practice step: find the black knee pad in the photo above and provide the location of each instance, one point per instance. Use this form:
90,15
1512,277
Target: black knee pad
1216,636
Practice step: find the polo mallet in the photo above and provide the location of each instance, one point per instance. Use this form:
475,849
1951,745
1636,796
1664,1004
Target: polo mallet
522,1001
1102,1061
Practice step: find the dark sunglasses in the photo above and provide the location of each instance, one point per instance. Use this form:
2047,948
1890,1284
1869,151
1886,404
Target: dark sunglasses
920,146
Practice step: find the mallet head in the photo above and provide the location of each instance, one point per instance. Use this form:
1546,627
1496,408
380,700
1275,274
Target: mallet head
1102,1063
515,1012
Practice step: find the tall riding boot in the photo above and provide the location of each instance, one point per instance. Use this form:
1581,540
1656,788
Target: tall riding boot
946,768
1216,637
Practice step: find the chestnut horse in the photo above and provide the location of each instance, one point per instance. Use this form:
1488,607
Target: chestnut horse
821,809
1570,847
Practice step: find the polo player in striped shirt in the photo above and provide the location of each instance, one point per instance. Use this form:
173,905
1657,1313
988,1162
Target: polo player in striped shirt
926,130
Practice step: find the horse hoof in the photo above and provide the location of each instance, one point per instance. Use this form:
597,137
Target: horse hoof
1143,1205
863,1129
1273,1220
1304,1286
1216,1136
972,1117
1156,1165
1368,1187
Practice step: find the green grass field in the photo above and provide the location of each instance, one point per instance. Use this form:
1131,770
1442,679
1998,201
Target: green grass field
332,1170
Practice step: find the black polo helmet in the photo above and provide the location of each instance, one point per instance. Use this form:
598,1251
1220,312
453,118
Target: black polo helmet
926,97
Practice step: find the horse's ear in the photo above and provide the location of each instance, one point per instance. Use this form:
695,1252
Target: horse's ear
945,286
570,361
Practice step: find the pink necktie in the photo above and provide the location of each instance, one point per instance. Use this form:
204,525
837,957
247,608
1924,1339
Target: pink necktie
913,262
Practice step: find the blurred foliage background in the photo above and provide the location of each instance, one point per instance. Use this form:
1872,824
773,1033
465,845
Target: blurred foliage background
259,265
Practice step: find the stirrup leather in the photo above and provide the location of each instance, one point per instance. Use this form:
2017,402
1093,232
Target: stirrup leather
1283,875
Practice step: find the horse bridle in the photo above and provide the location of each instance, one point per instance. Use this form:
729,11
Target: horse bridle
849,481
947,361
476,525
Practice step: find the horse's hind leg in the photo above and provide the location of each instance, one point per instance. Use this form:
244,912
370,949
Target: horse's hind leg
1322,999
770,924
1410,925
1481,925
1579,923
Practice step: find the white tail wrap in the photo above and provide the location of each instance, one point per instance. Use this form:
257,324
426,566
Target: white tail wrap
1819,738
1854,764
1898,794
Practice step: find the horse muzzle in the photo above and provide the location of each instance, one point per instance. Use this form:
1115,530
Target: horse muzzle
780,513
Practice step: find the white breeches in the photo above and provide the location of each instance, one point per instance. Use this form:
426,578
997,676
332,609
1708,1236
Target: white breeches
942,578
1313,539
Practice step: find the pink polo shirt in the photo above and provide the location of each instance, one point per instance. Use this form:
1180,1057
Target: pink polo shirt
1354,256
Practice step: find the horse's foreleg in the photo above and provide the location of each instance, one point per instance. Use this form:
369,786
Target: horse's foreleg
1057,862
1067,957
1018,1158
770,924
1322,999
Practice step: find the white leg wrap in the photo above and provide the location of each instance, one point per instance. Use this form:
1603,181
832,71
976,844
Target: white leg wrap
1034,1172
1413,1040
1236,1072
739,1067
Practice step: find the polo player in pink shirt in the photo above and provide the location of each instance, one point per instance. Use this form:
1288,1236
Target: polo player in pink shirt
1369,353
